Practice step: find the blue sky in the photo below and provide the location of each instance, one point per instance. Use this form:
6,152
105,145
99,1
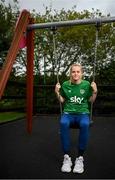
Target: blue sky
105,6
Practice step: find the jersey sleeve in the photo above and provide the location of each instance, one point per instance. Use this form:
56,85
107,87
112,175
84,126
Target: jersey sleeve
90,91
62,90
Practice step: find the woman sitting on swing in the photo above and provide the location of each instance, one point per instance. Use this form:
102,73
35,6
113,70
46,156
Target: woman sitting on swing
75,94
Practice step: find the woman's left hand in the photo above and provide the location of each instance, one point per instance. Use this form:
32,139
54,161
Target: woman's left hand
94,87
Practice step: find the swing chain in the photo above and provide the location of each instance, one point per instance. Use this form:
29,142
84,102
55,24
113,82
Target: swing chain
54,48
98,25
56,60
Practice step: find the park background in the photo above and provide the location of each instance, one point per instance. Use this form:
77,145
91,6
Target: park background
73,45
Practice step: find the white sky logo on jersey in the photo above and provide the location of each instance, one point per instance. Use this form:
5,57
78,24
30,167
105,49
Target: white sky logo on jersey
76,99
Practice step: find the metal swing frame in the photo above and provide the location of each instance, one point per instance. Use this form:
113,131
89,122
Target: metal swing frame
30,53
98,25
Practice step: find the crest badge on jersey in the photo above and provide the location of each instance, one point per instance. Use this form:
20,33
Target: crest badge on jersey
82,91
69,90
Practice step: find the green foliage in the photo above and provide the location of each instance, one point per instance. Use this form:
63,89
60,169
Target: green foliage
16,92
107,74
7,23
73,44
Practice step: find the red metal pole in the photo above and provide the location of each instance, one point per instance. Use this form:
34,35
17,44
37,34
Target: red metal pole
30,77
13,50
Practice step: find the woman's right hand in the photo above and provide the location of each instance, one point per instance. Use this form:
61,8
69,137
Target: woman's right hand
57,89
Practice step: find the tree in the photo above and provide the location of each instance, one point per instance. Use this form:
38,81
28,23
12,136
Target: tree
73,44
7,23
107,74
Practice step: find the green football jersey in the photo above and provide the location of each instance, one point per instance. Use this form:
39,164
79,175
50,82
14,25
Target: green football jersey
76,96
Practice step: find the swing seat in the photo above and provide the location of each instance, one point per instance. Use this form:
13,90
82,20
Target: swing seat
91,123
76,126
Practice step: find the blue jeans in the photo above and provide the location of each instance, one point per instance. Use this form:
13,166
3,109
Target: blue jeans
83,121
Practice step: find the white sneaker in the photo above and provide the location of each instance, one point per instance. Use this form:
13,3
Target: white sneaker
67,163
79,166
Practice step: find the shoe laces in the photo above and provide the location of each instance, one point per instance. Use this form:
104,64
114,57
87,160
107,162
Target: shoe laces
79,160
66,159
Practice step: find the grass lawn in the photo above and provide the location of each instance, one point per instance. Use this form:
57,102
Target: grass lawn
10,116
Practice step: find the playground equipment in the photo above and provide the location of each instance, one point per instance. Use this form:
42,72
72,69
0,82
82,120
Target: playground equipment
26,24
